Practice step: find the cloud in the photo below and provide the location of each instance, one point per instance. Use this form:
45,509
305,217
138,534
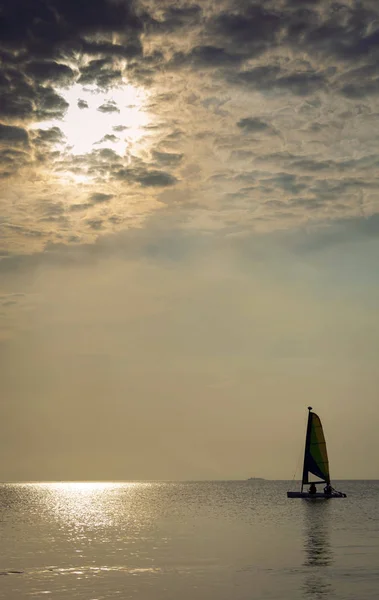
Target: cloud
52,135
39,48
49,29
50,72
99,198
201,75
167,158
14,135
174,18
12,299
114,50
103,72
108,107
94,199
107,138
82,104
80,207
205,56
253,125
25,231
250,31
272,77
11,156
146,177
50,105
95,223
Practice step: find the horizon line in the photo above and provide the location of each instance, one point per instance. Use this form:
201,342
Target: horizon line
31,481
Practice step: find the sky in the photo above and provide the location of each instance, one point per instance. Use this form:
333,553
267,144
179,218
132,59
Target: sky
189,243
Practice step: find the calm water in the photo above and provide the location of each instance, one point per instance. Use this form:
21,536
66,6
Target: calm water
208,540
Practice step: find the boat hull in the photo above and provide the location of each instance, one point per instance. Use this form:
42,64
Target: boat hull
317,496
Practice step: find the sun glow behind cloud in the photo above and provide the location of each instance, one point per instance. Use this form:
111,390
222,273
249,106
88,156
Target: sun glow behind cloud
96,119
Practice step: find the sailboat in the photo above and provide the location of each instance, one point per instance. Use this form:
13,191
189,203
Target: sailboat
315,463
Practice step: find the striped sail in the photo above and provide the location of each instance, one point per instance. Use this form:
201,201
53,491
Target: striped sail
315,456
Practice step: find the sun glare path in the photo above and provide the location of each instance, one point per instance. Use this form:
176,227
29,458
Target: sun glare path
96,119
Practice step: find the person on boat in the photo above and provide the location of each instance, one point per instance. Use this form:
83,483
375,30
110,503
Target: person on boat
328,489
312,489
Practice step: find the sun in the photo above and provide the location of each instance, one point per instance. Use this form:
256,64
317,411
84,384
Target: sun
95,119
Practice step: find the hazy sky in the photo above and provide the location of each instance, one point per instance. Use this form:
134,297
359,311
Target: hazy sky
189,225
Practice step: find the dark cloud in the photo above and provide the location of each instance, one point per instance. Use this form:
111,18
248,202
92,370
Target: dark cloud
106,154
245,31
334,189
113,50
107,138
286,182
20,100
343,32
249,32
50,105
144,70
307,203
205,56
82,104
26,231
18,96
155,179
146,177
51,27
12,156
109,107
273,77
278,48
167,158
13,135
79,207
115,219
307,164
259,77
48,136
99,198
174,18
301,84
41,44
95,223
253,125
52,209
93,200
104,79
51,72
301,3
101,72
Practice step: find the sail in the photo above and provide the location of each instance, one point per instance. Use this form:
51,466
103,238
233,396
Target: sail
315,456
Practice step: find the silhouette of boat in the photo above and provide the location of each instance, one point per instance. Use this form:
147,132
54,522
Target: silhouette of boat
315,462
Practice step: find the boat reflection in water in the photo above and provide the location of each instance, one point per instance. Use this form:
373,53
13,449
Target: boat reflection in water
318,553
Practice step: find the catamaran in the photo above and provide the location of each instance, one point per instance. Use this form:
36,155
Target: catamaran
315,463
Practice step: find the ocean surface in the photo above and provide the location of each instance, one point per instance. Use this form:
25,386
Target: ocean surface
232,540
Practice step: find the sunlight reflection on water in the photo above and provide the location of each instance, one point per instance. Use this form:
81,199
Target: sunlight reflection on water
206,540
92,504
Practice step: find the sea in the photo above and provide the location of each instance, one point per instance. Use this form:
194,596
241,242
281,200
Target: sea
209,540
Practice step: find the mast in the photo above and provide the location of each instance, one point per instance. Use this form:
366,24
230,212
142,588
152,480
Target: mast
307,439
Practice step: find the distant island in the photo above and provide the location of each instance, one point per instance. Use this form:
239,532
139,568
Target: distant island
256,479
